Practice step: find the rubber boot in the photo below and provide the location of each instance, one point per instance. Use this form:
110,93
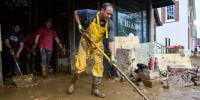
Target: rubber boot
44,71
70,89
95,85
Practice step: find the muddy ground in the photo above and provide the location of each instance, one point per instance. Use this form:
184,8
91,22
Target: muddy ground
54,88
55,85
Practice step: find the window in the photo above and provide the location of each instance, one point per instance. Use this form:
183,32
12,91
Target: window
132,19
170,13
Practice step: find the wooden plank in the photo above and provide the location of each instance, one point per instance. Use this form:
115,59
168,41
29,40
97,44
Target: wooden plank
71,32
1,72
0,40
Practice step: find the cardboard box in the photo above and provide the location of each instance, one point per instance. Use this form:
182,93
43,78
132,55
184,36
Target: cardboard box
175,50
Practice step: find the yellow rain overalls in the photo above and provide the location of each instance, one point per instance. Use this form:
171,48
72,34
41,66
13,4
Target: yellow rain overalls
96,33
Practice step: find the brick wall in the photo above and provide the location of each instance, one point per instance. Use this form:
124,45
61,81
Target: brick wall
176,11
163,12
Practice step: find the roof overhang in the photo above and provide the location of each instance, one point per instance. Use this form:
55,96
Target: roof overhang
157,18
162,3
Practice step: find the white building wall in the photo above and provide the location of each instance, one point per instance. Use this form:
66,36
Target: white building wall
176,31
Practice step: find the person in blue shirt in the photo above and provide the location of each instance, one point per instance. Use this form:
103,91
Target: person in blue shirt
14,41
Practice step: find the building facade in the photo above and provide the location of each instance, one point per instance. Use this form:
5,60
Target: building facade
129,17
178,25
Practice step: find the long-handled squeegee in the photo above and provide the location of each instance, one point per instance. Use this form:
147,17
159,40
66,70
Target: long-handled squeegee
118,69
12,53
21,80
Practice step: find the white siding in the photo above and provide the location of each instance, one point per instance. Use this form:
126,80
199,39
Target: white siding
176,31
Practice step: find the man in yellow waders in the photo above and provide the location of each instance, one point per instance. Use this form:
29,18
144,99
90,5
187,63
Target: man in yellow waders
97,24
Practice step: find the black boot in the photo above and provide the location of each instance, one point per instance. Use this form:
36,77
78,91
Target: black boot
95,85
70,89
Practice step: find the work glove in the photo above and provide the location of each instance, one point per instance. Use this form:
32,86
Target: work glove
11,51
17,55
112,60
81,30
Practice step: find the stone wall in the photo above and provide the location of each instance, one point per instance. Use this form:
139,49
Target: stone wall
144,52
125,53
125,60
173,59
129,53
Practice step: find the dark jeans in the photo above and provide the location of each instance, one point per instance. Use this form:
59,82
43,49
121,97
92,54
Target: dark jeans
11,63
30,62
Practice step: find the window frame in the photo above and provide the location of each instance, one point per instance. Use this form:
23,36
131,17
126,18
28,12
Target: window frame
170,20
144,23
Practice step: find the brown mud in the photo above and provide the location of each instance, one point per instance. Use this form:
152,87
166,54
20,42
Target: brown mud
55,85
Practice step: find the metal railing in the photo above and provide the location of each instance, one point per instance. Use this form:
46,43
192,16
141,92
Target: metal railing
160,48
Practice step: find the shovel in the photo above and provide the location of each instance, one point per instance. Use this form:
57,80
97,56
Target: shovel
121,72
21,80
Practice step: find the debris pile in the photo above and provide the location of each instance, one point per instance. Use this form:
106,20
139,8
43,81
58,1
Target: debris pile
173,77
180,80
25,81
195,77
150,78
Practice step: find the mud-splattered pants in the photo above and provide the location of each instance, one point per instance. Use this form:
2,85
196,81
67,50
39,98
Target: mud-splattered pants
85,50
96,34
29,61
45,58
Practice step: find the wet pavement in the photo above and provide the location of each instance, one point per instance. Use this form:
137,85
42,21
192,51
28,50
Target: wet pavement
55,85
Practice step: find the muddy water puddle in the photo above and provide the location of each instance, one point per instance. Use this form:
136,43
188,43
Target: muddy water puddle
54,88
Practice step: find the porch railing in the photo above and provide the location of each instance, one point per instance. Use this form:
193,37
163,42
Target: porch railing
160,48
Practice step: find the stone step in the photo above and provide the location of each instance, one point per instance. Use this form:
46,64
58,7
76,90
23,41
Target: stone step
149,74
151,83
